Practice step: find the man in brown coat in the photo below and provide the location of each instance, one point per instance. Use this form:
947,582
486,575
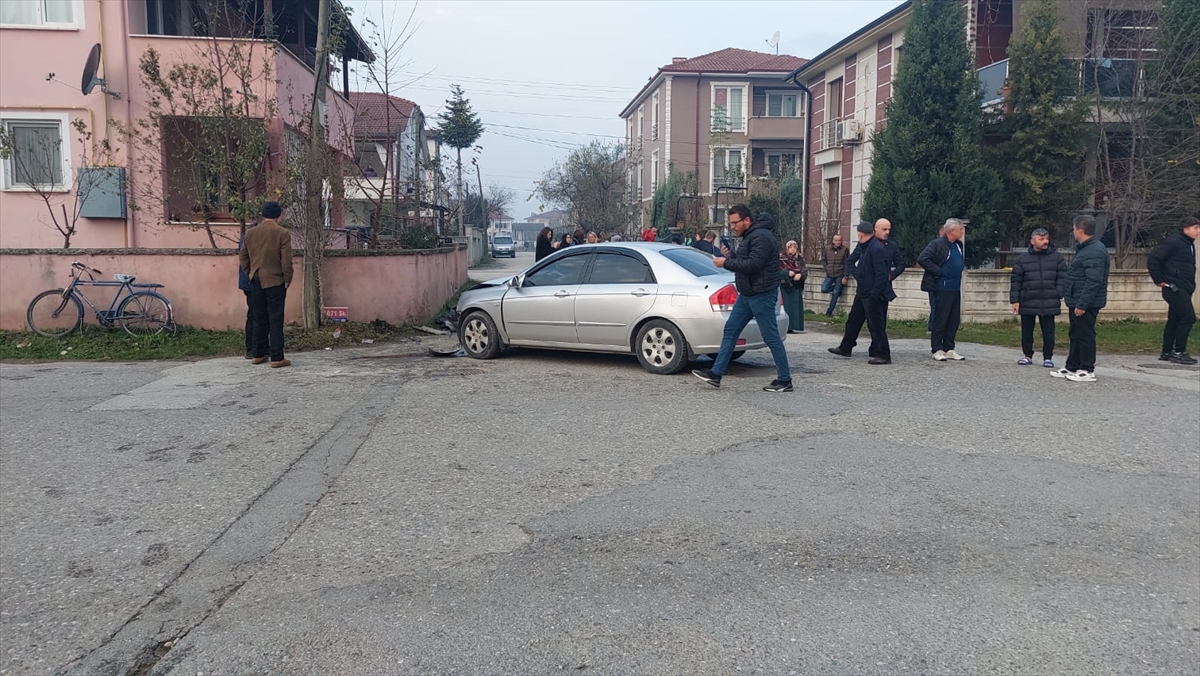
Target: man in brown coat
266,256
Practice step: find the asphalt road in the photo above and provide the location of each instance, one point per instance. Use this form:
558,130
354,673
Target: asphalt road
377,511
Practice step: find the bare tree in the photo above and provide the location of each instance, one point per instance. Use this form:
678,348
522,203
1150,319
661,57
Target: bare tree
35,155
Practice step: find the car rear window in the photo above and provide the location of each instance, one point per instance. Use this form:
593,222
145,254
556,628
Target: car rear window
503,240
693,260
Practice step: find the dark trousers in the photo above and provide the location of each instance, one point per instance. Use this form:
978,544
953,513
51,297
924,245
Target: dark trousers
268,319
1083,341
874,315
1180,318
1027,323
249,325
947,311
877,310
932,309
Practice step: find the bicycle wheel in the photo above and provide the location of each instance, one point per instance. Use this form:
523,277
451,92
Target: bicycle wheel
53,315
144,313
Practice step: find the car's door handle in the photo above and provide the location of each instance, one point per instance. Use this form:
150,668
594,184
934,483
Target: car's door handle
639,293
561,294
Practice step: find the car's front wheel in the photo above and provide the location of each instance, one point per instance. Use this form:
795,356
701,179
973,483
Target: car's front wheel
478,336
661,347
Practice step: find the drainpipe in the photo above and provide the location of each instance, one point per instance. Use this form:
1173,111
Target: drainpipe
130,151
808,97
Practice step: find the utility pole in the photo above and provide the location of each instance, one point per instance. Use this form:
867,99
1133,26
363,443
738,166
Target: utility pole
314,188
483,211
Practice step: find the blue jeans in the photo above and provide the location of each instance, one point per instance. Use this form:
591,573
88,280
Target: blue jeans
833,287
760,308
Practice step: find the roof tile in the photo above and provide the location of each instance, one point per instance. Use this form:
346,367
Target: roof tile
371,114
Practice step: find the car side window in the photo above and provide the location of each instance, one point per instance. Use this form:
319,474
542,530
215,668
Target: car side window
562,272
612,268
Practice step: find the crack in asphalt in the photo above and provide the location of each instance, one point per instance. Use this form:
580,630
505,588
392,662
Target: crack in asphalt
229,560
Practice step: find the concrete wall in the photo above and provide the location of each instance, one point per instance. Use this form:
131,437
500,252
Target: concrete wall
395,286
985,296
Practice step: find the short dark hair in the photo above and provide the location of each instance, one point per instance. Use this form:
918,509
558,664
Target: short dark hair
865,228
1085,223
271,210
739,210
1189,221
1041,232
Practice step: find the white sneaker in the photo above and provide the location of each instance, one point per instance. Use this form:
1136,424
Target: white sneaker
1060,373
1082,377
939,356
951,354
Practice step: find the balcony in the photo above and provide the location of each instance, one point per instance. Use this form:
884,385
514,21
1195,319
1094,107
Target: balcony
1106,78
781,128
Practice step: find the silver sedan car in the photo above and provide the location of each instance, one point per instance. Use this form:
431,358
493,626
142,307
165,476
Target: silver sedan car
663,302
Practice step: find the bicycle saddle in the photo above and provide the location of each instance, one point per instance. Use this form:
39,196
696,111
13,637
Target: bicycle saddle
124,279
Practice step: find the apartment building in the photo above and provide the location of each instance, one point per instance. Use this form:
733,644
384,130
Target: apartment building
851,83
44,45
727,116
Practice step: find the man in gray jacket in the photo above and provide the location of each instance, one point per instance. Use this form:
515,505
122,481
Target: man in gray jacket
1086,292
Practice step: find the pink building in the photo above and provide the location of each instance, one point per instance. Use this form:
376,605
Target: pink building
44,45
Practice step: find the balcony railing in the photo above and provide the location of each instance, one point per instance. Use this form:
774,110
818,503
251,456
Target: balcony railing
1107,78
827,135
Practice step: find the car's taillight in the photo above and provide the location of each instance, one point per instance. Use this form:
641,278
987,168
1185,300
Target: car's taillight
724,298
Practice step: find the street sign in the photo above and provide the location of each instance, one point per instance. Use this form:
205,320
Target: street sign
337,314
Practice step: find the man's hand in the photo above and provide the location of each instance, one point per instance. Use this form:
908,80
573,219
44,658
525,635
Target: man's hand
1016,308
845,281
719,262
724,250
1079,312
1163,285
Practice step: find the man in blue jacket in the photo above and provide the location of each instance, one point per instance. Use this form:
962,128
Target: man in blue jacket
1085,291
244,285
755,267
944,265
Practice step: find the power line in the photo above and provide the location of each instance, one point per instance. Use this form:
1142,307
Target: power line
531,83
555,131
526,94
517,112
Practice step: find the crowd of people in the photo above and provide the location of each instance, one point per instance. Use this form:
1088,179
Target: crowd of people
1041,283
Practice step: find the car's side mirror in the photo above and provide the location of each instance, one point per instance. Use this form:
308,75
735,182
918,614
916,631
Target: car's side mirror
515,282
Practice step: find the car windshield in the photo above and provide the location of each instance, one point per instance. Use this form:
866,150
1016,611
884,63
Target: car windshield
693,260
503,240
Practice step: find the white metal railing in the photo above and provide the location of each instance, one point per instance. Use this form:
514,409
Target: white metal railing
827,135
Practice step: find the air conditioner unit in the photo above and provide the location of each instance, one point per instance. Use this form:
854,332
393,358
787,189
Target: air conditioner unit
849,131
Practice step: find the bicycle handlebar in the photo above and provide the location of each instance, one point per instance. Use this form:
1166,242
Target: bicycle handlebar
81,266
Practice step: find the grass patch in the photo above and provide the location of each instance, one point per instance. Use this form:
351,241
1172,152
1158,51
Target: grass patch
1118,336
95,343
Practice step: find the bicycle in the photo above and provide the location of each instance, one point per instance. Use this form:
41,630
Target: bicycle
58,312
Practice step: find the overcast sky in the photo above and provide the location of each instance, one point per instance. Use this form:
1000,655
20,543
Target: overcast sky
545,76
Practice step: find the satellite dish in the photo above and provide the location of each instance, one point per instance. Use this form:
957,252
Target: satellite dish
774,41
89,71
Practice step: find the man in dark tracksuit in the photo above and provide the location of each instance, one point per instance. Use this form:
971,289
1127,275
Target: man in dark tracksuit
1172,266
1035,290
244,285
944,264
1086,292
755,267
862,310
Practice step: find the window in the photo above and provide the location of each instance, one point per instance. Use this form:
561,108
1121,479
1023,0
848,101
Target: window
780,104
45,13
781,164
653,171
176,17
696,262
654,118
833,199
641,171
728,167
611,268
728,108
833,100
562,271
37,158
641,125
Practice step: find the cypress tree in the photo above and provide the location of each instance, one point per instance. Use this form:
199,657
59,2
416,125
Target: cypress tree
927,164
1040,156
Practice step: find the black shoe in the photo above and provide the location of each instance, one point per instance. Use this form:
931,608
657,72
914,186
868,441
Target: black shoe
1165,356
779,386
708,377
878,361
838,351
249,356
1182,358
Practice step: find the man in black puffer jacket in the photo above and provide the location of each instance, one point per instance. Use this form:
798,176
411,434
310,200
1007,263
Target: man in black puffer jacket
755,269
1085,289
1035,291
1172,266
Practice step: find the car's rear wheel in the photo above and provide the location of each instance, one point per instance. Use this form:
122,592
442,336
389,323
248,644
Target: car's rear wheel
478,336
661,347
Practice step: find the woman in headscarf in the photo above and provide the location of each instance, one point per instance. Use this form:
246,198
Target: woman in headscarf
792,273
544,245
565,242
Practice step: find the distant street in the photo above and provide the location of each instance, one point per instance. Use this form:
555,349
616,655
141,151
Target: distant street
377,511
501,267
